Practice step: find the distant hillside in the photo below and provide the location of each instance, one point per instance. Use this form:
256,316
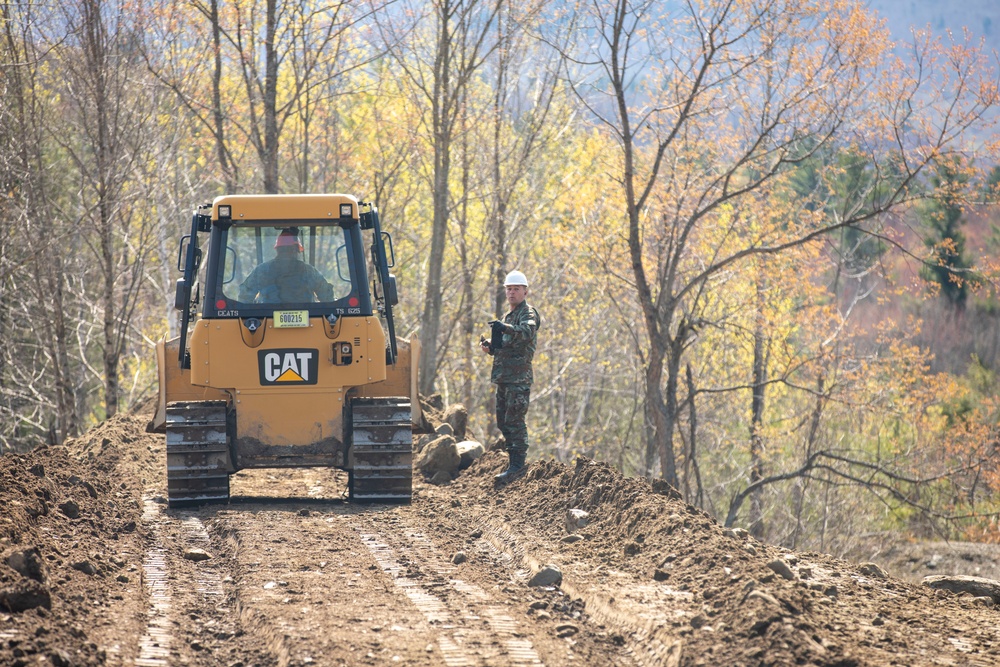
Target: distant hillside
980,17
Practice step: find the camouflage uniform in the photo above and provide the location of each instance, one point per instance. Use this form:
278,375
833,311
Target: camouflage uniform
285,280
513,377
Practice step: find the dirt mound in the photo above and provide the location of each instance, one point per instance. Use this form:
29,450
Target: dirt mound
738,601
70,541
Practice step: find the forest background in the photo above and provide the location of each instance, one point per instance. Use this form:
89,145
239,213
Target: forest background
762,234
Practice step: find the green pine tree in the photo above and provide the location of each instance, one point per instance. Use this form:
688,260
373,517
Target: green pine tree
948,265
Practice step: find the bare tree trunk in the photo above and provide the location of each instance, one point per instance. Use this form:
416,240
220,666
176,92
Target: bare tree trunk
468,271
691,460
500,205
95,49
218,117
655,410
441,124
270,157
757,410
668,457
799,490
431,317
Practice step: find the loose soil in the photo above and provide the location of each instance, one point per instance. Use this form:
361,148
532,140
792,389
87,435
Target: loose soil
95,570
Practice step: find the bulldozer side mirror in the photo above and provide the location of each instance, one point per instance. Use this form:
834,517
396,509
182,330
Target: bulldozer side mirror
182,294
182,251
390,257
389,288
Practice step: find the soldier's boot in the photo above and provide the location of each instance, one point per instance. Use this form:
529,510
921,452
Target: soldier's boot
515,466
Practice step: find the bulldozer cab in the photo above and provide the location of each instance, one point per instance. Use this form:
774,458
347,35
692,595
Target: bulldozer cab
318,267
265,265
287,354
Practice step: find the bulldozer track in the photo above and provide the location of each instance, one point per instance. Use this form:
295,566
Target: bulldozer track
198,458
381,450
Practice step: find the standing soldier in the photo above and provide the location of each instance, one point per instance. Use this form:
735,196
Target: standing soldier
512,346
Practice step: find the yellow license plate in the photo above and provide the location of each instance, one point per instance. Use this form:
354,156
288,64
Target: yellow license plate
287,319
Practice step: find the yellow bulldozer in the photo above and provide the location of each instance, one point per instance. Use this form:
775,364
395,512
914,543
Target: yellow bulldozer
287,354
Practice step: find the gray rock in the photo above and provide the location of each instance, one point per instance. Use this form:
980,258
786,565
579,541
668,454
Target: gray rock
469,451
86,567
576,519
459,558
960,583
571,539
28,563
550,575
196,554
457,417
445,429
440,478
423,440
25,594
873,570
757,594
70,509
781,568
60,658
566,630
440,454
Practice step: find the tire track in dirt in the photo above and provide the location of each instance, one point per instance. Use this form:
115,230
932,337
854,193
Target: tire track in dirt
154,645
649,643
188,613
458,625
306,593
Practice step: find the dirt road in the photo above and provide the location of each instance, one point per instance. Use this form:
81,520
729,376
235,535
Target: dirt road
96,570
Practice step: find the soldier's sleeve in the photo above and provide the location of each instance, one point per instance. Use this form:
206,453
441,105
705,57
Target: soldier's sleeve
525,328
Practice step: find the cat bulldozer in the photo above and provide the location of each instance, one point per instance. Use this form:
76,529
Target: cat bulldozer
287,354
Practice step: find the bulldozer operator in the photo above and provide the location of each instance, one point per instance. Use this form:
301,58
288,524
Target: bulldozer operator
286,278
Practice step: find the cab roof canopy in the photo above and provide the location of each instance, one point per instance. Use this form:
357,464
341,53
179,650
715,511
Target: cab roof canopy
246,208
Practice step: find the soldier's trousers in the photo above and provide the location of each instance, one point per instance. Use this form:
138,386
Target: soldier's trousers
512,406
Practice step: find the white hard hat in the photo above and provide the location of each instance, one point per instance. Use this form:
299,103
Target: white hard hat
515,278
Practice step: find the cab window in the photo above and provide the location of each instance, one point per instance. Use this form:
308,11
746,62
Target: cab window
282,266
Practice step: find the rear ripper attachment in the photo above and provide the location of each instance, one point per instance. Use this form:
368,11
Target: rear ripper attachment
198,460
381,450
